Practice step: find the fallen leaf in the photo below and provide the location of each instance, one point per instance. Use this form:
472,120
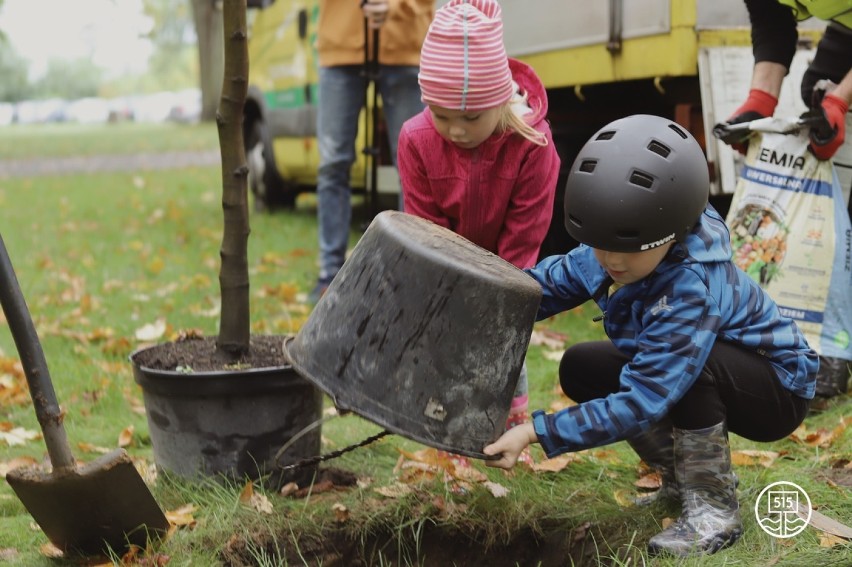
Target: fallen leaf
666,522
825,524
50,550
550,339
18,436
16,463
396,490
125,438
553,355
623,497
289,488
260,503
151,331
496,490
341,512
256,500
182,516
650,481
830,540
8,554
89,448
750,457
555,464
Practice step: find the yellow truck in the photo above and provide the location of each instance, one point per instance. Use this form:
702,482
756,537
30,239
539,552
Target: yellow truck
689,60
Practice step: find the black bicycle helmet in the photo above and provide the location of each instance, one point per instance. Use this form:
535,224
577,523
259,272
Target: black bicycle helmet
639,182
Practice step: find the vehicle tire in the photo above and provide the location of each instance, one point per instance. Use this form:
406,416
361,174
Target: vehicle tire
265,182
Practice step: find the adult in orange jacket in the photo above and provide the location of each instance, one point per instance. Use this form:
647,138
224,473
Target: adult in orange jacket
401,25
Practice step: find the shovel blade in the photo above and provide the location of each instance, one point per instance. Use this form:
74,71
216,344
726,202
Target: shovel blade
98,506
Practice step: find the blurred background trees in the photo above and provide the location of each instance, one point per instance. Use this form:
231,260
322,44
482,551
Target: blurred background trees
186,36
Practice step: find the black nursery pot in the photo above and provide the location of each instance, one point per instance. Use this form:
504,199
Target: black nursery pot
231,424
423,333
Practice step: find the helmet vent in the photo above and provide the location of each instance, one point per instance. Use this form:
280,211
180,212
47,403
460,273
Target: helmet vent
588,165
608,135
659,148
627,234
678,131
641,179
575,221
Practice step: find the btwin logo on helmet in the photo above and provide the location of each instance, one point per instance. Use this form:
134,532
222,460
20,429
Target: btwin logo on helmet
657,243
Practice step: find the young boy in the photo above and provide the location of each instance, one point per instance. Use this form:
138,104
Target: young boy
696,348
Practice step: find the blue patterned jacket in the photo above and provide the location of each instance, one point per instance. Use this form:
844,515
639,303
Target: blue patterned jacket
666,324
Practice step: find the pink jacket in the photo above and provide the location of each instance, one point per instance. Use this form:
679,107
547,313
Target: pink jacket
498,195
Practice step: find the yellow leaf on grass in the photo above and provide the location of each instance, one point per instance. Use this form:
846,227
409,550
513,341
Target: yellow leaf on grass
623,497
89,448
125,438
829,540
50,550
396,490
750,457
182,516
555,464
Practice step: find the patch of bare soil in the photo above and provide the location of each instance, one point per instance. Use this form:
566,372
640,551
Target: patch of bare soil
437,546
201,355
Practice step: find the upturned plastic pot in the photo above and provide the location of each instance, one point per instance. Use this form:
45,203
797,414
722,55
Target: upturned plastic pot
421,332
231,424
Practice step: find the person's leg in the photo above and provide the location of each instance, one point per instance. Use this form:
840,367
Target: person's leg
519,410
341,96
741,388
400,101
737,390
592,370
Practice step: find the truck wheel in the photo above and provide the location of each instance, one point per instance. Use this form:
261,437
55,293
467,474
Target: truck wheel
265,182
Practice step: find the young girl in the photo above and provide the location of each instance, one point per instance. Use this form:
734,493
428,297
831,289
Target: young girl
479,159
696,347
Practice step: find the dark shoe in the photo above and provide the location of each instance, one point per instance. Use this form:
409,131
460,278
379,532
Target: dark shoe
710,519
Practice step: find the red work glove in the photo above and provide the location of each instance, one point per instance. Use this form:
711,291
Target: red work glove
828,137
759,104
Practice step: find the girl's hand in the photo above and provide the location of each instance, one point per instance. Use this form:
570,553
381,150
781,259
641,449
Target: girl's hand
376,11
510,445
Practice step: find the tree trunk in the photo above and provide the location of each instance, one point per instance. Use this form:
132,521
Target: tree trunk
234,324
207,15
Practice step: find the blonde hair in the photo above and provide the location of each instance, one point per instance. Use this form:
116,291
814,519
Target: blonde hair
510,121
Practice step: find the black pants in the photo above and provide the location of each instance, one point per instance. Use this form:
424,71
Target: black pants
736,385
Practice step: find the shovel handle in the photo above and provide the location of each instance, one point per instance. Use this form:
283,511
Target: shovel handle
35,366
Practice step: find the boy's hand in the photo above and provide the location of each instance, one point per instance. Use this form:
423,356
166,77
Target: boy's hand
376,11
510,446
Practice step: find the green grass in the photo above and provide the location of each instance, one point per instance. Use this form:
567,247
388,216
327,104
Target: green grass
99,256
66,140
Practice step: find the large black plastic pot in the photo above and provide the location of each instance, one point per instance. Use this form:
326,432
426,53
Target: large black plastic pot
230,424
421,332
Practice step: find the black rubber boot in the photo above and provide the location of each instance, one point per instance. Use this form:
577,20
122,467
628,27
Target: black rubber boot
710,518
656,448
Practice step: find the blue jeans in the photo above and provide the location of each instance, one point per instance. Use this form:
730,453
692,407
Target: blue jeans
341,97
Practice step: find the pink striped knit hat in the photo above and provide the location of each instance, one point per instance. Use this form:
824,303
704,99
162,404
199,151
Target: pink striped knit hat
463,63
